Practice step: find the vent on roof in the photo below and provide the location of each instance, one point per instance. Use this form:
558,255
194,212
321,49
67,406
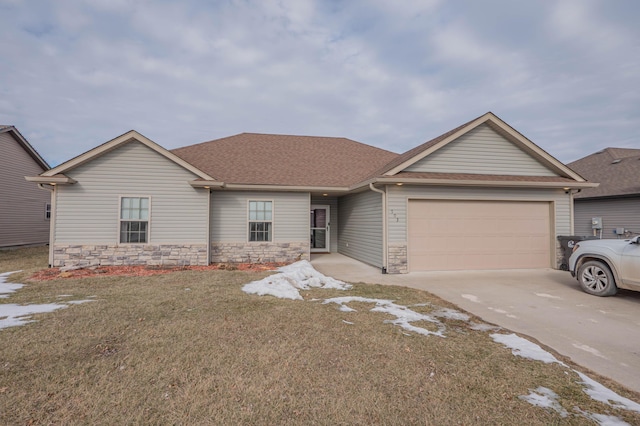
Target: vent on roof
600,152
616,161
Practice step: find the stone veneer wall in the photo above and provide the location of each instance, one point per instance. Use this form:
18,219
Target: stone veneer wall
397,263
130,254
262,252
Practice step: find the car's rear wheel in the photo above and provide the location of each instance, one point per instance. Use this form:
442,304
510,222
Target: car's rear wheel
596,278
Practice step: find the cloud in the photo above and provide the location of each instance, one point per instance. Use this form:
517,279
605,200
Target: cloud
388,74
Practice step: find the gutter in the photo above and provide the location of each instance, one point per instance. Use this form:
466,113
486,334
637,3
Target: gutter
458,182
384,226
291,188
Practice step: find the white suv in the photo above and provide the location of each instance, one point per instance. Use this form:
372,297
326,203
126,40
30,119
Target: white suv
603,266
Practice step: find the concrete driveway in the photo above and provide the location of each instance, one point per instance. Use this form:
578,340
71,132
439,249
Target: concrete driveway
601,334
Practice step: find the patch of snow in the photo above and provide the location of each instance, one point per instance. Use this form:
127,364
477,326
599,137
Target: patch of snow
545,398
602,419
291,279
605,420
65,295
348,322
524,348
600,393
15,315
404,315
7,288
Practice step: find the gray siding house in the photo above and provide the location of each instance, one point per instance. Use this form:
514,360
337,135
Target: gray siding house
481,196
24,208
616,201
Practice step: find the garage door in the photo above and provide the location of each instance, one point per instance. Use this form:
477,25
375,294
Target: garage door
458,235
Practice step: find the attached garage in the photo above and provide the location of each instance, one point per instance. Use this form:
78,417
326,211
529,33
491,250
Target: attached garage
445,235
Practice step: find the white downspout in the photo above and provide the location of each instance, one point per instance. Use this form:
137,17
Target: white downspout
209,227
52,219
384,226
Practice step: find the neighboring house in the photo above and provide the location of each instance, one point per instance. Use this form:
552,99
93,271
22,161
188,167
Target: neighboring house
481,196
616,201
24,208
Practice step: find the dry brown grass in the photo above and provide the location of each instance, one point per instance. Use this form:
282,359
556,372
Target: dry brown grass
192,348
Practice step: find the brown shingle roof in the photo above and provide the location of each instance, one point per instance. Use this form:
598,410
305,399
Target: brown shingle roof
616,177
262,159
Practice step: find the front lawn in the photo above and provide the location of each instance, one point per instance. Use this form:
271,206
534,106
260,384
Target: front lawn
191,347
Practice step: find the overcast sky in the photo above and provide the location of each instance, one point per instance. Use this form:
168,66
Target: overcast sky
390,73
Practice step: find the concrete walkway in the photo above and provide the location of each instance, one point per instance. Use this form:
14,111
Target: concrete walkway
601,334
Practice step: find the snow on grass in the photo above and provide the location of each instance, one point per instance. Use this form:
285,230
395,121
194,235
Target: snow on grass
7,288
600,393
526,349
404,316
15,315
545,398
12,315
291,279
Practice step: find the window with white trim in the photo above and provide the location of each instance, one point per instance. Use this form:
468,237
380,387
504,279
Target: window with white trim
47,211
134,219
260,220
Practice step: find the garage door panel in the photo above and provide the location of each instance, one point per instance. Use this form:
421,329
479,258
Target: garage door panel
458,235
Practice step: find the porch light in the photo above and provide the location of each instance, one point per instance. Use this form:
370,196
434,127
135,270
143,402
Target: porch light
399,183
324,195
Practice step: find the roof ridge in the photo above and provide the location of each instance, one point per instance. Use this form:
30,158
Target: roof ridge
341,138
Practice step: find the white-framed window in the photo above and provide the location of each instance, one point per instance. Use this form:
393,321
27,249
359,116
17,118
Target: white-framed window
47,211
260,220
134,219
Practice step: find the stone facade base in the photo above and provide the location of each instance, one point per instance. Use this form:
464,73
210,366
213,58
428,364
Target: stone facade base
131,254
397,260
263,252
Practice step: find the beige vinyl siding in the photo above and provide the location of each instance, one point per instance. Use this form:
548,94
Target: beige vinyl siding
87,212
481,151
360,227
398,196
332,202
22,203
615,213
229,221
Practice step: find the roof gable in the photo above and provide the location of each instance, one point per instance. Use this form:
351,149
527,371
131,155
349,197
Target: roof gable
447,152
617,170
287,160
130,136
25,145
481,151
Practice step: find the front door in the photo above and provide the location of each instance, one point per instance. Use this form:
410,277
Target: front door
319,228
